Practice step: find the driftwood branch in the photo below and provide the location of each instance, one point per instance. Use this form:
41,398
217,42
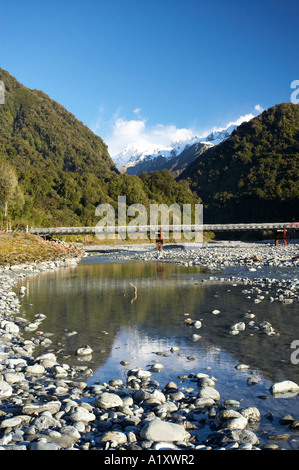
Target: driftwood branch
135,293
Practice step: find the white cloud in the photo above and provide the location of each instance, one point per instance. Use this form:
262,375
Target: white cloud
258,108
138,133
237,122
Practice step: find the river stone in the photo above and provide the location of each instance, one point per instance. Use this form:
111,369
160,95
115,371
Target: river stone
141,395
157,430
14,377
171,385
226,436
252,414
5,390
202,402
84,351
206,382
143,374
115,436
284,387
240,326
195,337
10,327
209,392
44,422
108,400
116,382
225,415
11,422
47,360
242,367
35,369
66,437
286,420
33,408
165,446
236,423
176,396
167,407
82,416
157,367
279,437
42,444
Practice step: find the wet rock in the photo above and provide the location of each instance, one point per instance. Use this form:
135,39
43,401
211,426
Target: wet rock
284,387
252,414
157,367
84,351
279,437
224,415
209,392
226,436
286,420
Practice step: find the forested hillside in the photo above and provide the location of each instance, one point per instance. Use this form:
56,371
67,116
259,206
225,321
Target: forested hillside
253,176
61,169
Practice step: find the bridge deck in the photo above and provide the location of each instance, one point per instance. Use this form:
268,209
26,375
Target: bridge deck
169,228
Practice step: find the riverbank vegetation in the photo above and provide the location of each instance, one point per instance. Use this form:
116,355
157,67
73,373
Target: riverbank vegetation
19,248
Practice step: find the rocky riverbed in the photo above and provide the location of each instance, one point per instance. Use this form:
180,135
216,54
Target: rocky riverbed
46,404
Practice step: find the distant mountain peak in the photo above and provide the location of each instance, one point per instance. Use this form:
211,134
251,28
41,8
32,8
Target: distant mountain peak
137,157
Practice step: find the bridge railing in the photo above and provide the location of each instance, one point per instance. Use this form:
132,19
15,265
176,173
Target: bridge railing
167,229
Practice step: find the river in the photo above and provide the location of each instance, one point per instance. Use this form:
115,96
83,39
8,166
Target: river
136,312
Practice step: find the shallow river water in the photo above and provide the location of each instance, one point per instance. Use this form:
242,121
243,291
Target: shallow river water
96,304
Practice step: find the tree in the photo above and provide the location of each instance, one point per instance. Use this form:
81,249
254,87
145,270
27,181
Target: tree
8,184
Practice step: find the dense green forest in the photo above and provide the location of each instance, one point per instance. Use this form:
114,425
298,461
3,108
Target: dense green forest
62,170
253,176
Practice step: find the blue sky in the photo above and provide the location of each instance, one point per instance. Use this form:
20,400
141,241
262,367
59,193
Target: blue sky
154,69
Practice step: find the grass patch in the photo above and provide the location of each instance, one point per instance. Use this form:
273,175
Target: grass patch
18,248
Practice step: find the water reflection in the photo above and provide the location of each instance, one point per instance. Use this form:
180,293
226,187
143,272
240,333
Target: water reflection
147,303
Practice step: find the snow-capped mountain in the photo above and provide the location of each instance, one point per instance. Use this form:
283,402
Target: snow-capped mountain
217,137
135,159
